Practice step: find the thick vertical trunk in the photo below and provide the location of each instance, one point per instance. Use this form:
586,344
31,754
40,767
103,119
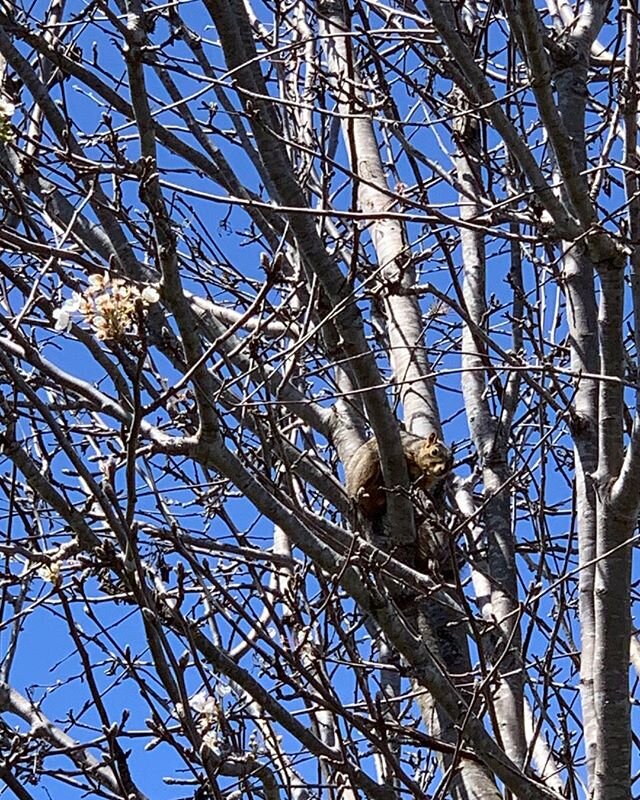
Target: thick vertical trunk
611,780
407,351
446,637
596,347
491,444
612,585
582,315
410,365
583,336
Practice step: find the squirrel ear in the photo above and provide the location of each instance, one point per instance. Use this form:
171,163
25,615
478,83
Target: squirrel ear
432,437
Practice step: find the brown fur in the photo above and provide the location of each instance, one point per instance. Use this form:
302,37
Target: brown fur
428,461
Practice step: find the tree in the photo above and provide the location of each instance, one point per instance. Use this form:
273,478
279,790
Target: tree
240,240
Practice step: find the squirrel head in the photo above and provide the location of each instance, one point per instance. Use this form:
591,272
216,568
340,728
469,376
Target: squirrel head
433,460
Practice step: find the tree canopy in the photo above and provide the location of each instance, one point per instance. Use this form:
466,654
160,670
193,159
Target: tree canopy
245,245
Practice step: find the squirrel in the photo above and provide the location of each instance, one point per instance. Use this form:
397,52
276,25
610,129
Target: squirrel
428,461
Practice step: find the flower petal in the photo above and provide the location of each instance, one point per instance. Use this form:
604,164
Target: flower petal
150,294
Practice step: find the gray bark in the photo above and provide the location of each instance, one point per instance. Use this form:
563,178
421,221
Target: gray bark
490,440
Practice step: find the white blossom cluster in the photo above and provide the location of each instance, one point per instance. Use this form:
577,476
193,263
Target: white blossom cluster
210,713
108,305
